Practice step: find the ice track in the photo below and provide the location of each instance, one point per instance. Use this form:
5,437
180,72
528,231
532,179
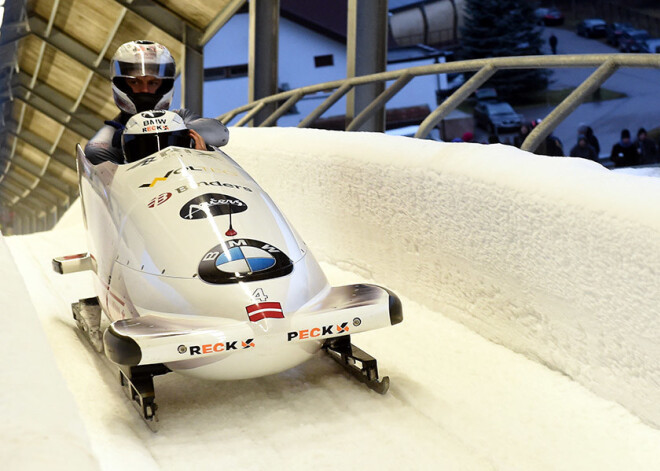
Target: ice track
457,401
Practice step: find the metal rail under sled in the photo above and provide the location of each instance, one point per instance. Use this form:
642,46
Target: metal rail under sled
357,362
138,383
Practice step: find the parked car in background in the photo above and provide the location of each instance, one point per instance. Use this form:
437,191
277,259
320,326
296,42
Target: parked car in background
496,116
549,16
486,94
614,32
592,28
651,46
632,40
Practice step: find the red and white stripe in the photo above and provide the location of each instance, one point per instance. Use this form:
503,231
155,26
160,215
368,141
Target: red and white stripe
259,311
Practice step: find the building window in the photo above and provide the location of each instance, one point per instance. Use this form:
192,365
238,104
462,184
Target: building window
225,72
324,61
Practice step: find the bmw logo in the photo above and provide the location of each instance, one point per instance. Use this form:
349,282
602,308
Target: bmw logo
243,260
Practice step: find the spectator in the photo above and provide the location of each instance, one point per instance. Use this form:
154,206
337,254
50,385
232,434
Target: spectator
623,152
646,148
584,149
467,136
523,132
551,146
493,139
591,138
553,43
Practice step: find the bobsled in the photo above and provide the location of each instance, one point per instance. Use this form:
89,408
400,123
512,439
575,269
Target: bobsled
199,273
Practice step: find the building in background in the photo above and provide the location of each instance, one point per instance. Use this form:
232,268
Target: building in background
312,49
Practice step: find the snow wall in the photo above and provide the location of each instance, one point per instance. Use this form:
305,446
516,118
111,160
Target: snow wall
555,258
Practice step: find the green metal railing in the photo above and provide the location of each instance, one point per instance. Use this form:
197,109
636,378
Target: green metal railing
604,64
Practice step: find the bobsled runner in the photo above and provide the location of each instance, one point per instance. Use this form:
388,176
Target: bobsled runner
199,273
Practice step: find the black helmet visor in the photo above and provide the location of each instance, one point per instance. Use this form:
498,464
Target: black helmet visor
139,146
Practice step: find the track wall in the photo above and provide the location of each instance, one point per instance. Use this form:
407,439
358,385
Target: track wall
555,258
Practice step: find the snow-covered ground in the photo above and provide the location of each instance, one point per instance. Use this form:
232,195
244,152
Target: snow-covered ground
457,400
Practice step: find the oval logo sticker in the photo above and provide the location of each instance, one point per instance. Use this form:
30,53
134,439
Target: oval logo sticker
212,204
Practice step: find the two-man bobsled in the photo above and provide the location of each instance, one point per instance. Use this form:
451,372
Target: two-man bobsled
200,273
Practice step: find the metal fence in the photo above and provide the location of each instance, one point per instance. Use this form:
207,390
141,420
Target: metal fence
604,64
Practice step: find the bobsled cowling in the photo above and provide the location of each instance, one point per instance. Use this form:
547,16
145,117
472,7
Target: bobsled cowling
161,226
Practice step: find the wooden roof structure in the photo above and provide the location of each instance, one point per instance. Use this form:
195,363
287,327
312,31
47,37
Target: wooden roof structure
55,89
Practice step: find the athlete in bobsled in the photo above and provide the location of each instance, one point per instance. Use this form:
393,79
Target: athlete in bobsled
142,74
150,132
199,273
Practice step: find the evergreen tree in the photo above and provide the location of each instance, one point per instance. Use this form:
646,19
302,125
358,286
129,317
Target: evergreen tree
501,28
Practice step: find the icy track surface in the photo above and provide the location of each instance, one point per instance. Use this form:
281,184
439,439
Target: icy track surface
457,401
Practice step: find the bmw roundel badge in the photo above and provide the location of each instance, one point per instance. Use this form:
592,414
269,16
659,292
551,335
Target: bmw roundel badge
243,260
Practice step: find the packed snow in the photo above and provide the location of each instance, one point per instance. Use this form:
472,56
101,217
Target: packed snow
435,223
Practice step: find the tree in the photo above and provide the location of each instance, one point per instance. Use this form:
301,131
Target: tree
502,28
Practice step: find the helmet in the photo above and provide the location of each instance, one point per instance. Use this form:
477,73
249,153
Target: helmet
151,131
141,59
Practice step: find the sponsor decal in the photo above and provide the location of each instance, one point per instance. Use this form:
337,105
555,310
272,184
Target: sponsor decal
259,311
317,332
160,199
176,171
216,347
169,151
212,204
155,127
243,260
183,188
189,168
155,123
142,163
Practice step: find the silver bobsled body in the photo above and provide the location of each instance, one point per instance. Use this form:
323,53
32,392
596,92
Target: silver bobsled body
199,270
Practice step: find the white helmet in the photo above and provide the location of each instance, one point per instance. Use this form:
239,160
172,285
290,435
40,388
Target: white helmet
141,59
151,131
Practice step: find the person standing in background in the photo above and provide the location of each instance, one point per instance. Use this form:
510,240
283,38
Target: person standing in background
553,43
584,149
587,132
523,132
646,148
623,152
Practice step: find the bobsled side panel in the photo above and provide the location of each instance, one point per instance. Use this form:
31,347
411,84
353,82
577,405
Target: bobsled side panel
101,222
